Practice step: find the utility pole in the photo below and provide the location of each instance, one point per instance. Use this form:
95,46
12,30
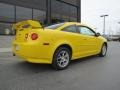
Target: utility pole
119,29
104,16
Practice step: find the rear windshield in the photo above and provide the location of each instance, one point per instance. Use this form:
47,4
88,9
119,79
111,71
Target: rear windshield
55,26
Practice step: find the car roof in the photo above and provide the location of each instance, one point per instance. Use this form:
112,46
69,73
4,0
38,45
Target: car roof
77,23
73,23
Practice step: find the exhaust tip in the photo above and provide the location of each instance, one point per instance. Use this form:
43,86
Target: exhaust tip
14,54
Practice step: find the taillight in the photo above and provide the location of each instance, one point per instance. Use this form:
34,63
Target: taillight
34,36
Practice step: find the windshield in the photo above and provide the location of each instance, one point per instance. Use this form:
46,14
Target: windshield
55,26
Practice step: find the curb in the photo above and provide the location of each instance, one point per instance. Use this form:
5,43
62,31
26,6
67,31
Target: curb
5,49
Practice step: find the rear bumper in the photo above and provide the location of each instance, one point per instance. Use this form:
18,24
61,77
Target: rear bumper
34,53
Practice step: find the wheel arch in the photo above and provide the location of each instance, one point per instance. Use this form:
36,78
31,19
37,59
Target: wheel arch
64,45
105,44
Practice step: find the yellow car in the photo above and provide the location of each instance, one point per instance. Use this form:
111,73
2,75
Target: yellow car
56,44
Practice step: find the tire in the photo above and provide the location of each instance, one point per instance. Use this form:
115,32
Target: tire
103,50
61,58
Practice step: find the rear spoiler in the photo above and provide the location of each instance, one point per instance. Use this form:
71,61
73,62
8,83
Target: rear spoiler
27,24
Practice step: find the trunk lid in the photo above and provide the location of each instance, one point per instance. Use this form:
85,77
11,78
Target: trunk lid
23,28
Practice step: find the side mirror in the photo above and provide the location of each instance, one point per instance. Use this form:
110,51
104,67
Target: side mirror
98,34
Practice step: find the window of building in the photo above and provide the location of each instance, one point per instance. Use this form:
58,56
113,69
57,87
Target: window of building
39,15
60,12
7,13
56,11
23,13
73,13
63,11
74,2
73,19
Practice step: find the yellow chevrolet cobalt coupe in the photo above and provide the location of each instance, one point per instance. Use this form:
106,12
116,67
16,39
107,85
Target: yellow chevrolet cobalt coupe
56,44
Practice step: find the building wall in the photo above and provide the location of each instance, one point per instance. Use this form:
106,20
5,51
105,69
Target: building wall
74,2
37,4
17,10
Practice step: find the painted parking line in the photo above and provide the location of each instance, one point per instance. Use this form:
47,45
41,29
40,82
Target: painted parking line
5,49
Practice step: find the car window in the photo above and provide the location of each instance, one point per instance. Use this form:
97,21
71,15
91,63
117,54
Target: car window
55,26
71,28
86,31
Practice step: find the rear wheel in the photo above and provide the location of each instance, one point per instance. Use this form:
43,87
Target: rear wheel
103,50
61,58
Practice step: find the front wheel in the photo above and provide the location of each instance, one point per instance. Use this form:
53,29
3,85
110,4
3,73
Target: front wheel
103,50
61,58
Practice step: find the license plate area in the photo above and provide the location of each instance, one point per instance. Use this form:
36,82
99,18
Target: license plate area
17,48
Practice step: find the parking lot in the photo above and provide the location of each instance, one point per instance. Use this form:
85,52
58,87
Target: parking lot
92,73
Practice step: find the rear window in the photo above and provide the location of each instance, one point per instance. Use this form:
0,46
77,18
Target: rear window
55,26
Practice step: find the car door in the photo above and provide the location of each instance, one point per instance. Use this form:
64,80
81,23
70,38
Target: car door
89,41
73,36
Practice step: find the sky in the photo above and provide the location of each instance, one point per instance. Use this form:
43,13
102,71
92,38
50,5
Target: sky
91,10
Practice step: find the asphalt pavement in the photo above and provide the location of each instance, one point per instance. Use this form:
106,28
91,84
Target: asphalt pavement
92,73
